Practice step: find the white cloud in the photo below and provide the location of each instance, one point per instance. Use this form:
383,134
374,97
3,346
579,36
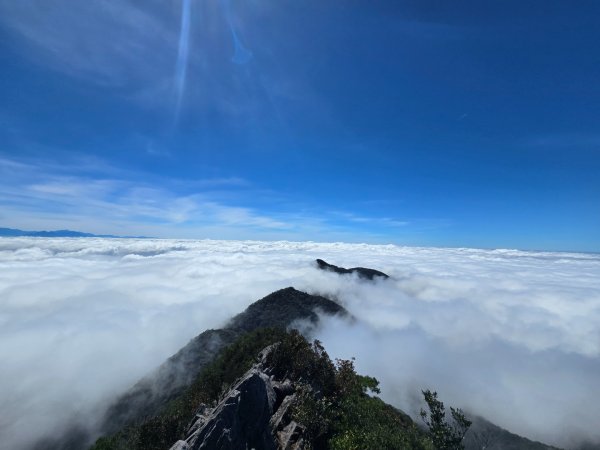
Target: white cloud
38,193
511,335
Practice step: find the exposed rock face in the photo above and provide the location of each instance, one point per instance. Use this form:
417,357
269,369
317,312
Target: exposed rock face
254,413
149,395
362,272
241,419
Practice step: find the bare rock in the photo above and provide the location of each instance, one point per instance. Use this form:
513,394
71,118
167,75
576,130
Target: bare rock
241,419
291,437
180,445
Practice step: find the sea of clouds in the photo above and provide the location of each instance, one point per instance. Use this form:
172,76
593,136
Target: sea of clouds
511,335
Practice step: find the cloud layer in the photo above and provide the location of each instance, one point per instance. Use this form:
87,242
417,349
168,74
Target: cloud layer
511,335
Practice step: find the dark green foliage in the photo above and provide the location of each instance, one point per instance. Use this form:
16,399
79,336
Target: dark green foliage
160,432
295,358
316,413
366,422
445,435
344,417
333,403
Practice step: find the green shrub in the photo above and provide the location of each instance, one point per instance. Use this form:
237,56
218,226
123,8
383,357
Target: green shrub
160,432
445,435
335,405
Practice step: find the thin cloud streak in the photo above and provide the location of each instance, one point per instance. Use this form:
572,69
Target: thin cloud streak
108,201
240,54
71,38
182,53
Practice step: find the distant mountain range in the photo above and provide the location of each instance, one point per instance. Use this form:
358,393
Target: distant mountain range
13,232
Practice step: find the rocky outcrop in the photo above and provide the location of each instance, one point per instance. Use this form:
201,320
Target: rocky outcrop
362,272
255,413
241,419
280,309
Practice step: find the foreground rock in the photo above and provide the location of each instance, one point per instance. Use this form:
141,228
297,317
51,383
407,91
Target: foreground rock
254,413
362,272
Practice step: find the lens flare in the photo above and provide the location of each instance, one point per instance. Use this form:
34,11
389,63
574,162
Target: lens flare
182,53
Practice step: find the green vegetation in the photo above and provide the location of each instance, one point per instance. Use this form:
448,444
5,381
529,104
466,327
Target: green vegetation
162,431
335,405
445,435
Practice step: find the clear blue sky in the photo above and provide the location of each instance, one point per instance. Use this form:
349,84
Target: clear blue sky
447,123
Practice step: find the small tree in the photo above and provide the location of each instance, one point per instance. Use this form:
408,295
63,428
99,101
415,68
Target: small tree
445,435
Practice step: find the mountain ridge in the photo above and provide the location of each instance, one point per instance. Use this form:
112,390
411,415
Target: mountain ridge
15,232
278,309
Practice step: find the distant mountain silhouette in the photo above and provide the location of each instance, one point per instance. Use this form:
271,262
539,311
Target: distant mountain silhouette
362,272
13,232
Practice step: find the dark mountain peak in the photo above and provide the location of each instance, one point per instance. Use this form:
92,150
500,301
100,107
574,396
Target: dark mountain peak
282,307
362,272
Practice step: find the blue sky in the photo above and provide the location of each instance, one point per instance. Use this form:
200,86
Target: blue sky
462,123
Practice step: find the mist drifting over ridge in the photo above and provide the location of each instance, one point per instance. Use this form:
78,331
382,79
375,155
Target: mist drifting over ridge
511,335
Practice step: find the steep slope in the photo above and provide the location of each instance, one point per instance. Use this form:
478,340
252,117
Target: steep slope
289,395
279,310
485,435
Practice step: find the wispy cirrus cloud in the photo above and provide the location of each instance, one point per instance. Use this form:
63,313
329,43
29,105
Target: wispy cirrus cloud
179,57
30,189
564,141
41,194
143,51
383,221
108,43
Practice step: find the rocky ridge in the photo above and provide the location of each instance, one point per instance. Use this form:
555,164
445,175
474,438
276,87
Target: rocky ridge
279,309
253,413
362,272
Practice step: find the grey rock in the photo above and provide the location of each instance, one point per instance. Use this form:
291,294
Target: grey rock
241,419
291,437
281,413
254,414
